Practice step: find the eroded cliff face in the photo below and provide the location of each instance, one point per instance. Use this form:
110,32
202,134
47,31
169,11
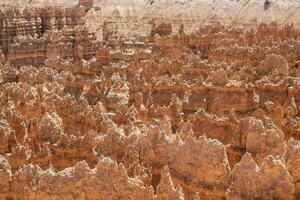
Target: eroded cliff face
205,113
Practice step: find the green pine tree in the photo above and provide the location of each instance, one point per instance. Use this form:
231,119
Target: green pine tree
150,2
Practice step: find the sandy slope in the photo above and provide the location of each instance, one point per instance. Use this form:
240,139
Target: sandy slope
243,10
280,10
192,13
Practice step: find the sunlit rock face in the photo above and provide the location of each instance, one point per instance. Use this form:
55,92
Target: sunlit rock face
157,100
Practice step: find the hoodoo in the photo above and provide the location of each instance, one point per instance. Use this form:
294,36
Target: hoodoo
158,100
